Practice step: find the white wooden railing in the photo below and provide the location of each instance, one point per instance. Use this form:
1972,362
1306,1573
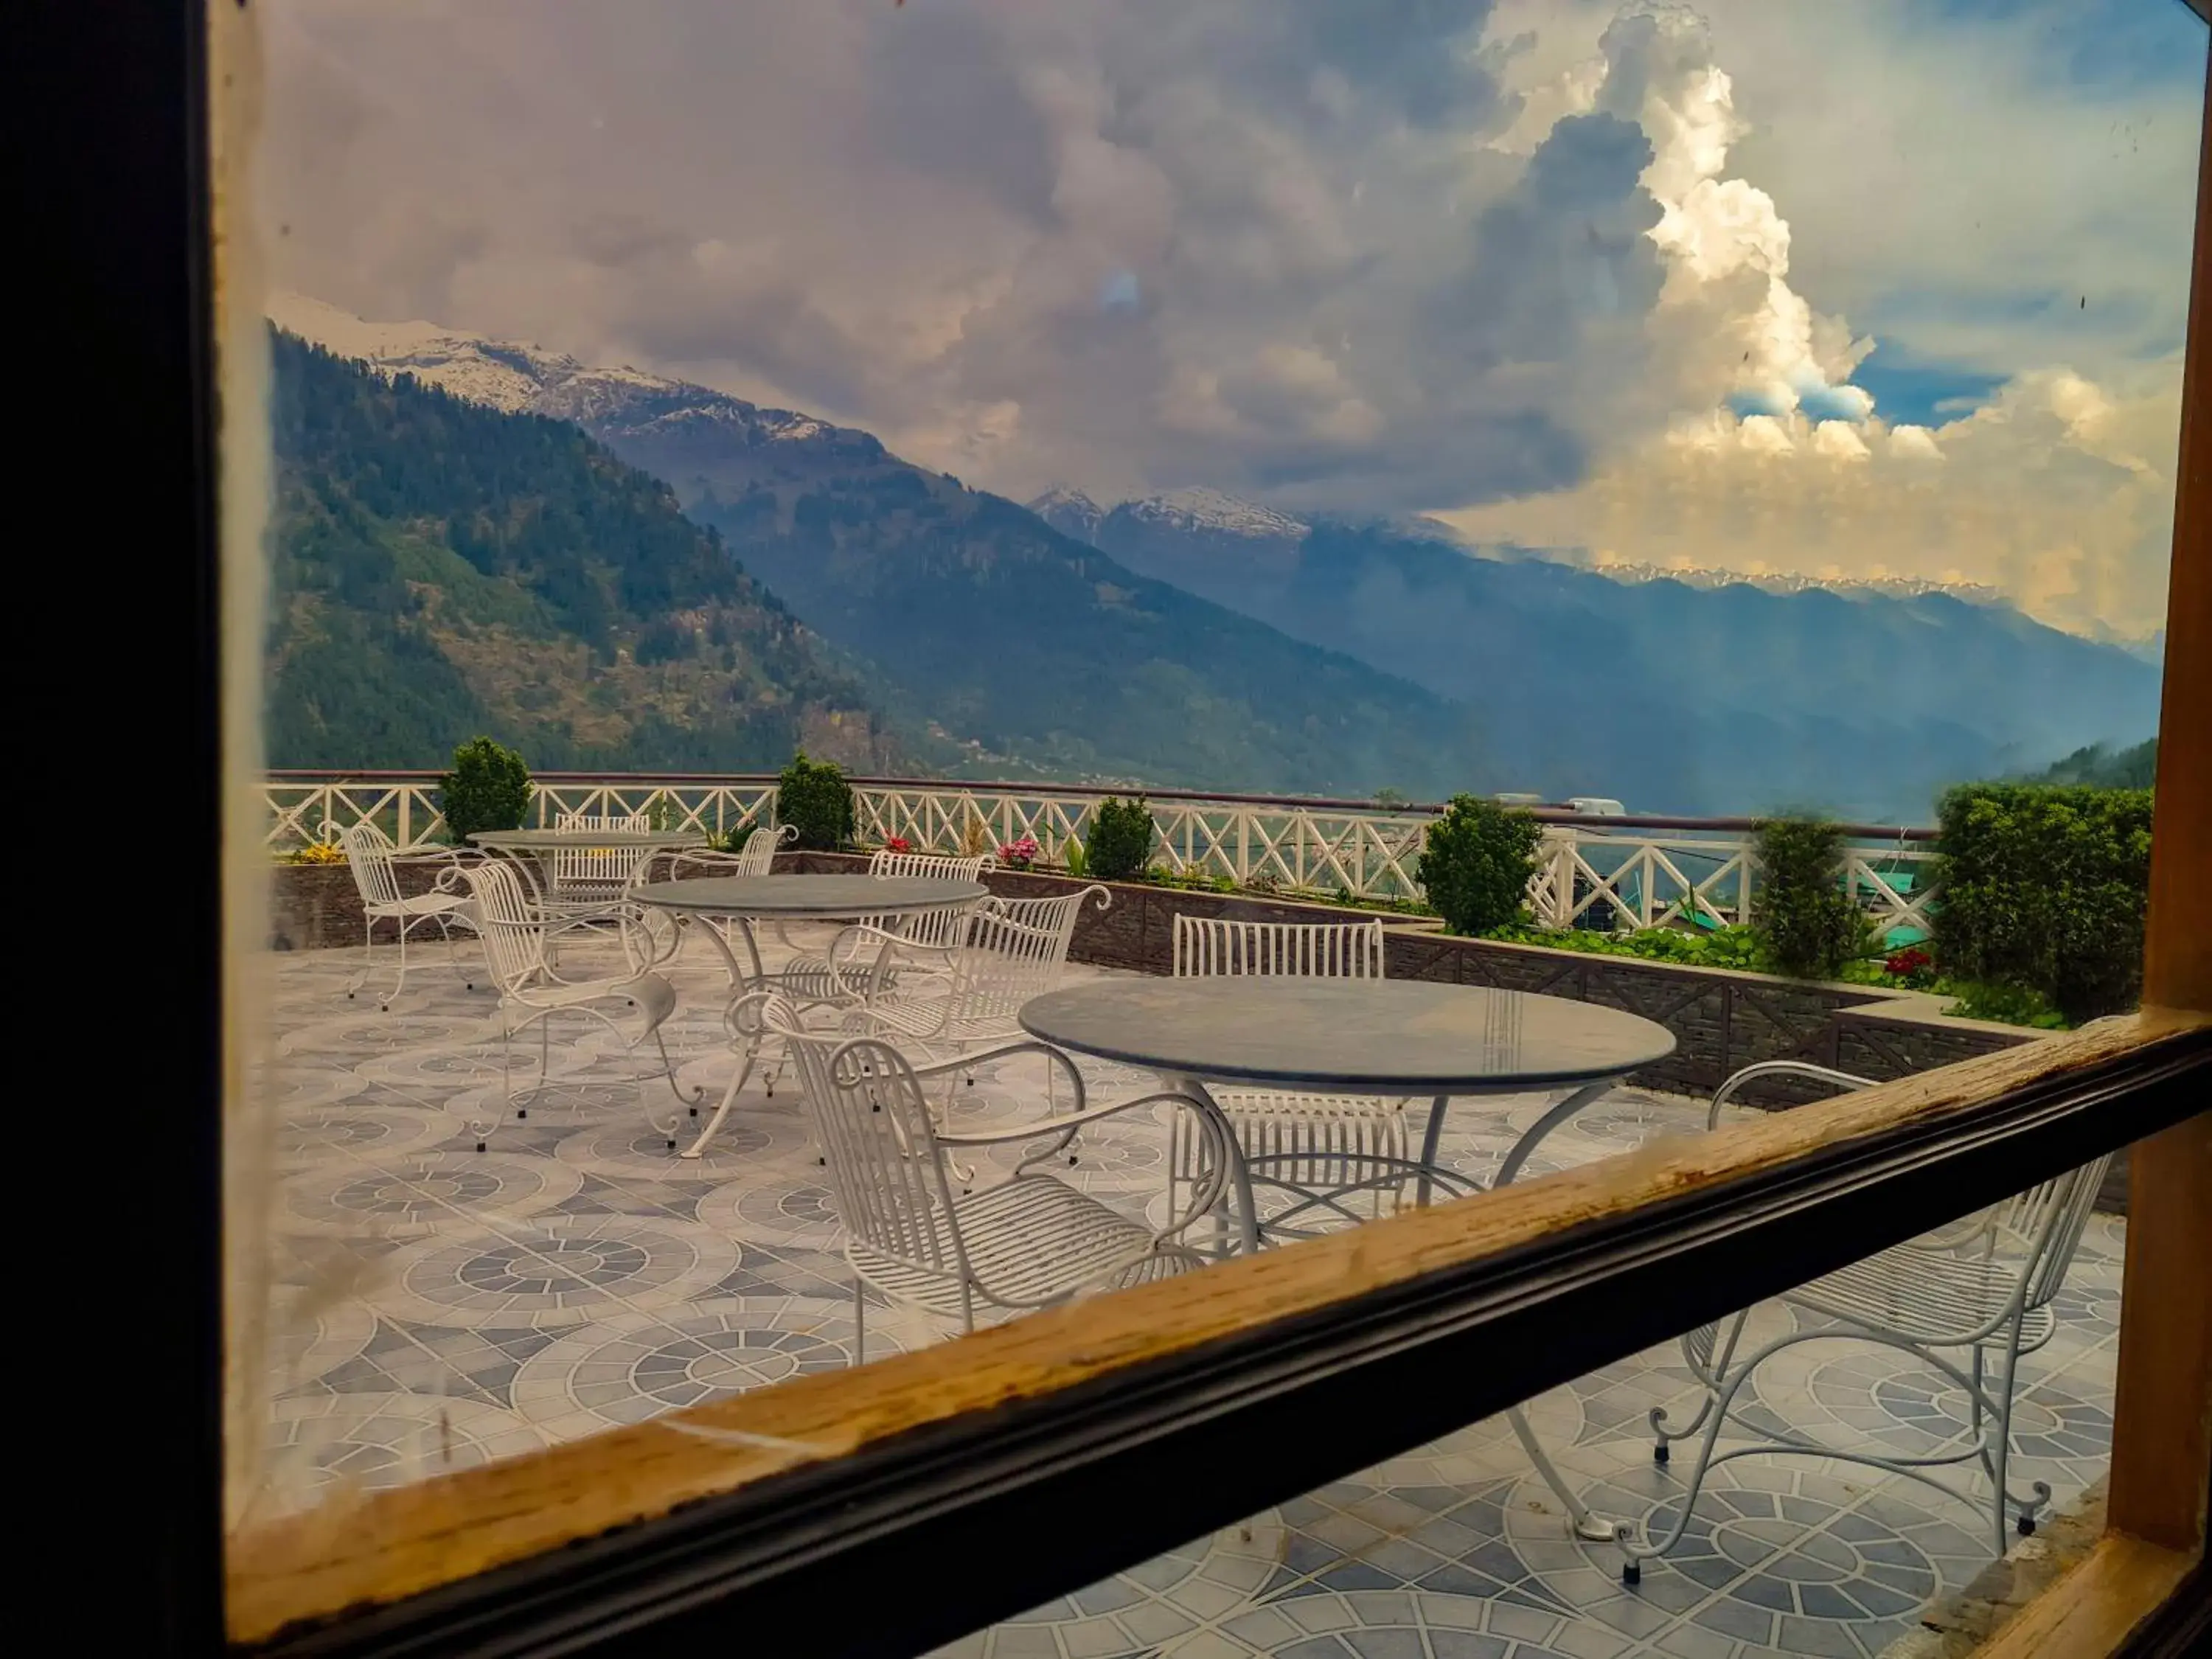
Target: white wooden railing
1613,873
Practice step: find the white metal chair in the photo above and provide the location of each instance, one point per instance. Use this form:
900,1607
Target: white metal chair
1011,950
928,930
1966,1301
531,991
926,939
588,878
374,864
1027,1242
1313,1156
755,857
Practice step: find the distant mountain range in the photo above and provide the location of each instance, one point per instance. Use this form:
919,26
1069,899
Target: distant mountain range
2106,768
1199,640
993,643
439,568
1669,695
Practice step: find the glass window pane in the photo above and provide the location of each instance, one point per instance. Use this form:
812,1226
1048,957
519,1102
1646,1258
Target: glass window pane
1415,592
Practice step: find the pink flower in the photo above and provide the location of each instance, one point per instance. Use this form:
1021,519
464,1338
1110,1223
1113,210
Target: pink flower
1019,853
897,844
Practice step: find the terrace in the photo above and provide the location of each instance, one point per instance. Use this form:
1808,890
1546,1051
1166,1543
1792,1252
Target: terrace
440,1308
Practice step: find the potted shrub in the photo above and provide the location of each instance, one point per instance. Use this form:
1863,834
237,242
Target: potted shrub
814,799
1476,864
1120,844
488,789
1806,922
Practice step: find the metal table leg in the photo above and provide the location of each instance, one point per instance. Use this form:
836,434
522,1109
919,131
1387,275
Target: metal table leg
1240,1173
1586,1525
743,986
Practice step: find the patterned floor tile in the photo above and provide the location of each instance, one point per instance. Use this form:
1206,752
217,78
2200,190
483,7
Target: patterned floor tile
437,1307
628,1367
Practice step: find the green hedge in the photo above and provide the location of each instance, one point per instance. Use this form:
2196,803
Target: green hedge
2044,887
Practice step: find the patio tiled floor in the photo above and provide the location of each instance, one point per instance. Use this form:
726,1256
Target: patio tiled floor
439,1307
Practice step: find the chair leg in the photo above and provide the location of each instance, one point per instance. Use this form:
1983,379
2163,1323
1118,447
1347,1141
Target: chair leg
367,956
544,1058
2039,1490
1707,1372
454,955
506,1075
399,984
1637,1548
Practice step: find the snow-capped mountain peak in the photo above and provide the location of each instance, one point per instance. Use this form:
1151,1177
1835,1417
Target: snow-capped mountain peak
1069,510
1211,512
517,376
507,374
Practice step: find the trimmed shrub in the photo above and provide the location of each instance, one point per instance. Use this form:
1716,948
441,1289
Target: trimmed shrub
1476,864
2044,888
1807,924
1120,844
813,797
489,789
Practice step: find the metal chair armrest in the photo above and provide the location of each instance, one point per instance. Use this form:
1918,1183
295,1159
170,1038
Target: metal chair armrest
1778,1068
969,1062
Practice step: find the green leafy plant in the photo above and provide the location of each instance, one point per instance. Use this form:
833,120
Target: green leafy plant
1476,864
733,839
2014,1005
1806,922
2042,890
1120,839
1076,857
813,797
488,789
1727,947
1191,881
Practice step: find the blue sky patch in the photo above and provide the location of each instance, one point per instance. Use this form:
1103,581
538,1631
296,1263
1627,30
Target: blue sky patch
1906,392
2109,44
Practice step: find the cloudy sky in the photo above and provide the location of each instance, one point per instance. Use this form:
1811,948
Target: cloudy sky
1895,287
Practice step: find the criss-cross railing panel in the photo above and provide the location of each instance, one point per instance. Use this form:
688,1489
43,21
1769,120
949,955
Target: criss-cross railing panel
1587,875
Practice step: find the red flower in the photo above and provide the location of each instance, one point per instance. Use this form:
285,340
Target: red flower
1910,961
898,844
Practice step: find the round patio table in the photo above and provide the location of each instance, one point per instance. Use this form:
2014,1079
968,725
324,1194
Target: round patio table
1366,1036
747,900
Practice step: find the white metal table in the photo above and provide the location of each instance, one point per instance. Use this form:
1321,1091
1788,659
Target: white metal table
1368,1036
746,901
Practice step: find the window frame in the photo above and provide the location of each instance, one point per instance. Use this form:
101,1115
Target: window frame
134,226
